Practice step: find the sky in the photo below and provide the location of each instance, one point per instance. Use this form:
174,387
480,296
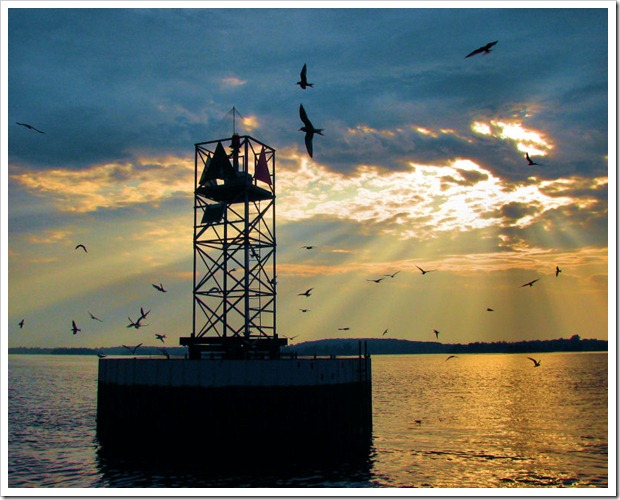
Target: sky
422,163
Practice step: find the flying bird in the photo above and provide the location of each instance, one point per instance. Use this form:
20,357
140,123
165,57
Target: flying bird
159,287
82,247
303,81
530,283
344,329
308,128
486,49
489,309
304,310
379,280
436,332
391,275
384,332
74,327
450,357
307,292
136,324
94,317
132,349
143,314
423,271
307,247
21,323
529,160
557,271
536,363
30,127
160,337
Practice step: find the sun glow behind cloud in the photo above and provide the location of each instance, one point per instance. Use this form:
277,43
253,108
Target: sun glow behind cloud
427,199
525,140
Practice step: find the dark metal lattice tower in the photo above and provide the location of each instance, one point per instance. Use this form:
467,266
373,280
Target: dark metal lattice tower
234,311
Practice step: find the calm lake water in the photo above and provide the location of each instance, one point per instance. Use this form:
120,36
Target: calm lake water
475,421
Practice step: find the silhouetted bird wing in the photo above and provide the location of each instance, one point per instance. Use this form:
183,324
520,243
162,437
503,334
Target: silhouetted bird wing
82,247
486,49
450,357
304,117
529,283
30,127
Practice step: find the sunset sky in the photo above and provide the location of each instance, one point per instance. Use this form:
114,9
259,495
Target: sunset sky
422,163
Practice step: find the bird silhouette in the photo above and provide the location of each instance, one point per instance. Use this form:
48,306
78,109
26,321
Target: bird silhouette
529,283
303,81
132,349
82,247
436,332
450,357
143,314
423,271
308,128
536,363
94,317
485,49
136,324
529,160
21,323
308,247
160,337
307,292
30,127
379,280
384,332
557,271
391,275
159,287
344,328
304,310
489,309
74,327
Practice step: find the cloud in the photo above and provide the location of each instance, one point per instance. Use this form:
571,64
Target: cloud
110,185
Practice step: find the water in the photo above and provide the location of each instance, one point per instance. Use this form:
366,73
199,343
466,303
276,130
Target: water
476,421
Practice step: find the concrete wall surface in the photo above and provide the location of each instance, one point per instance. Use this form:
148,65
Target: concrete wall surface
233,373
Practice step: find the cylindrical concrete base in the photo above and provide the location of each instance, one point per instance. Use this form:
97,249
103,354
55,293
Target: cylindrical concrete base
283,409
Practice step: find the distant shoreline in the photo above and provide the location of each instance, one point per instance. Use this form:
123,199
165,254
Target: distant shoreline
349,347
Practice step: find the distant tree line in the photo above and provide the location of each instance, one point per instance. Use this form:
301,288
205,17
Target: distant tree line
352,347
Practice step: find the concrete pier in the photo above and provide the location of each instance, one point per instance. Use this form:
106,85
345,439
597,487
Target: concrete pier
276,409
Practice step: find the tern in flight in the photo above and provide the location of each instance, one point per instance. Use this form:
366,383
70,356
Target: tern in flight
557,271
436,332
489,309
379,280
536,363
482,50
74,327
30,127
143,314
94,317
136,324
344,329
132,349
307,292
308,128
423,271
391,275
450,357
529,283
308,247
82,247
303,81
159,287
384,332
304,310
21,323
160,337
529,160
